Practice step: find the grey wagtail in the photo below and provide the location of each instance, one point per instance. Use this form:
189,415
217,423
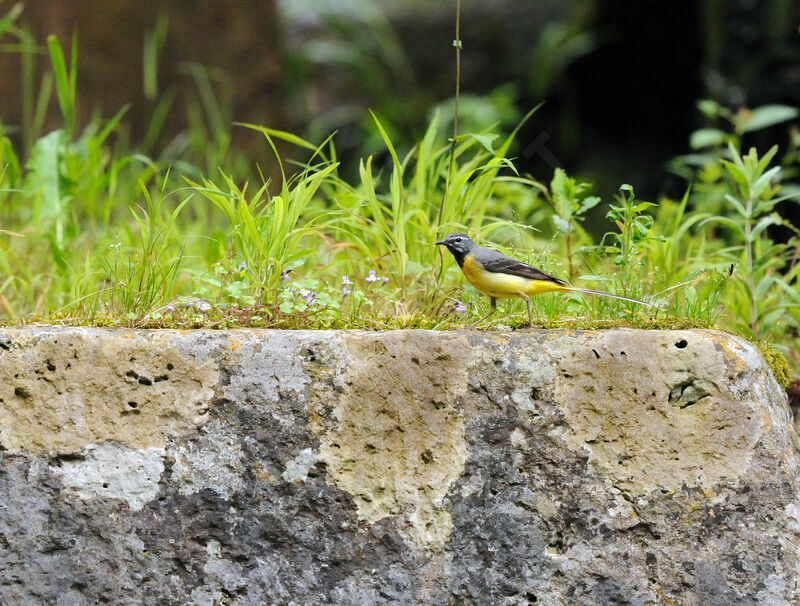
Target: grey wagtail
501,277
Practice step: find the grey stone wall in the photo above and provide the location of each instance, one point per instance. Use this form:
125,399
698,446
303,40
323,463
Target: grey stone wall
409,467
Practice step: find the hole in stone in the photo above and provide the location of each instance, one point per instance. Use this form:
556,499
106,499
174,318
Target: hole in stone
132,374
21,392
132,404
170,366
530,597
369,447
132,359
160,378
427,457
415,360
687,393
622,353
681,344
145,381
596,355
50,366
105,484
311,356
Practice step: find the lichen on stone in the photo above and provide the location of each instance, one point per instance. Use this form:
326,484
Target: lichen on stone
399,443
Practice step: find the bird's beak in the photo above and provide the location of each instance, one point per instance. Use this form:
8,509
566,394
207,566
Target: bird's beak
440,242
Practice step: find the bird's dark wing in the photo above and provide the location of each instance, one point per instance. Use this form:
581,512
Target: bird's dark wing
493,261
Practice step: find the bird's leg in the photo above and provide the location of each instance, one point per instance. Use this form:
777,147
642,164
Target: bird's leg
530,312
491,311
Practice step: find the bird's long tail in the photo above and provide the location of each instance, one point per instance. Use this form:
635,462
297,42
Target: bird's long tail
600,293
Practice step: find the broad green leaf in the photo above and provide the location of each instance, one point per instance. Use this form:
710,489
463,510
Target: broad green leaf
707,137
769,115
43,175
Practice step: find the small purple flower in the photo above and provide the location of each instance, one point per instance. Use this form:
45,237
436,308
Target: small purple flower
371,277
285,275
170,306
346,284
242,266
460,308
385,280
203,305
309,296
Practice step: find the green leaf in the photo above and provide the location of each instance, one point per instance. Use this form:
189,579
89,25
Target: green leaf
43,177
710,109
65,80
725,221
763,181
279,134
736,204
10,17
763,223
484,140
736,170
707,137
769,115
589,202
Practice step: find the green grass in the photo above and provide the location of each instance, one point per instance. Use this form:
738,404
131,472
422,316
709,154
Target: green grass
95,232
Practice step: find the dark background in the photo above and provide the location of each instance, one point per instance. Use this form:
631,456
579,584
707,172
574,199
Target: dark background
620,80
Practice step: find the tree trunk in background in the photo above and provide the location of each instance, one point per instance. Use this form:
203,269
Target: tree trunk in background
238,42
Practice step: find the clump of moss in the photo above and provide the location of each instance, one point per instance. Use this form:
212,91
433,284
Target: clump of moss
644,323
777,362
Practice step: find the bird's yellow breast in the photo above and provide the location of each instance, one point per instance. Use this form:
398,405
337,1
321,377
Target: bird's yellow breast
500,285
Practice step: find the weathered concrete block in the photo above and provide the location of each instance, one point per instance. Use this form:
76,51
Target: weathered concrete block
408,467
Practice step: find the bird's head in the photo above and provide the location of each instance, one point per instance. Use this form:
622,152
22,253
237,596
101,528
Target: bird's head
457,243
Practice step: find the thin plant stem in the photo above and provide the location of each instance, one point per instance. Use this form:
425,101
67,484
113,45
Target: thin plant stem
458,45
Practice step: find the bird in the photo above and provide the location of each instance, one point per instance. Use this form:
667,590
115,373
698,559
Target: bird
502,277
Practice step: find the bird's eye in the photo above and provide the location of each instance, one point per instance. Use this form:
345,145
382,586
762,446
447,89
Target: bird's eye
458,239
